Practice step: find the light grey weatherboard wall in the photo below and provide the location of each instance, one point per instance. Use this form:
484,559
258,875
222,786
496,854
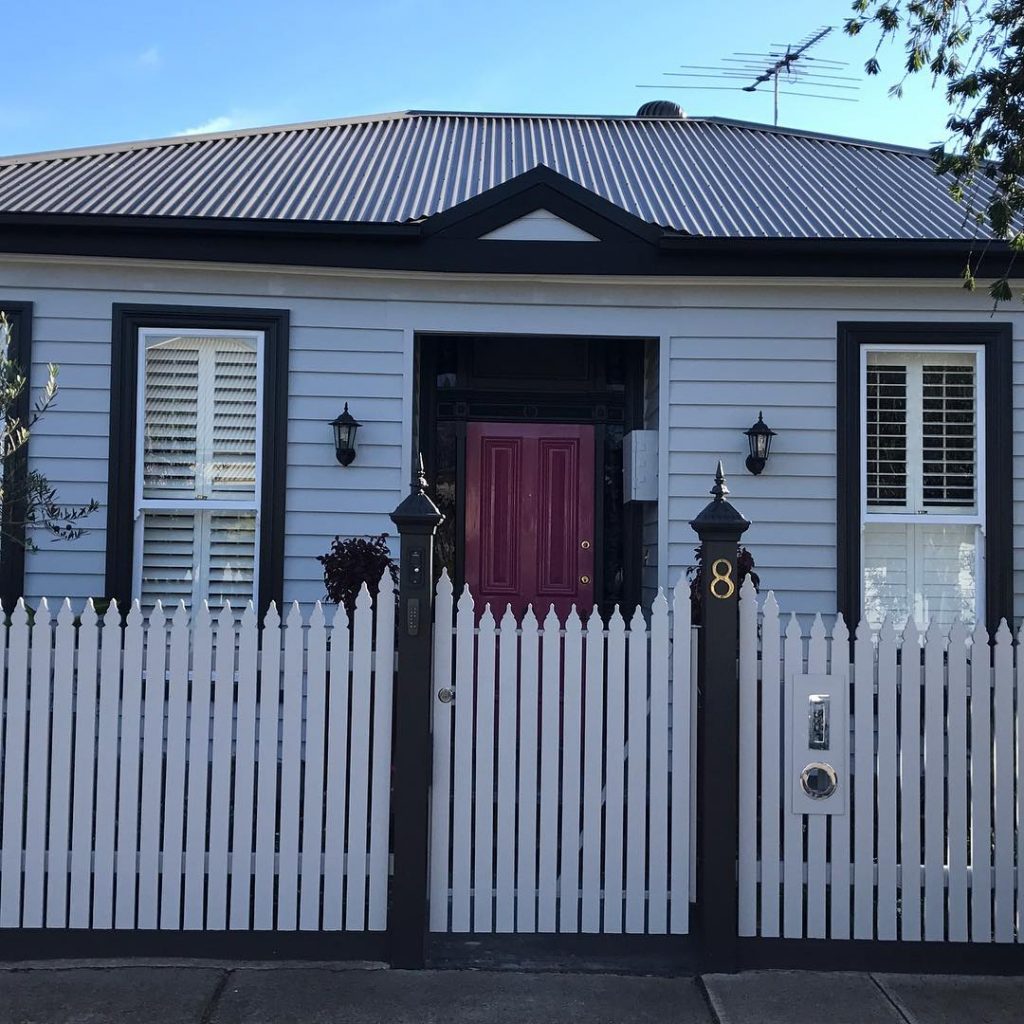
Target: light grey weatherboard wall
733,348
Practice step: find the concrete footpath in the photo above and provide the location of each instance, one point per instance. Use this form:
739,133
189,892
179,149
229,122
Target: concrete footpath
177,992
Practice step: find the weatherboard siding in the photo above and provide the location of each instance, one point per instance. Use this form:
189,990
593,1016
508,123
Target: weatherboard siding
732,349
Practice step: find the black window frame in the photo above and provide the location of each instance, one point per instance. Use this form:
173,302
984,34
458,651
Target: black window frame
996,339
14,540
127,321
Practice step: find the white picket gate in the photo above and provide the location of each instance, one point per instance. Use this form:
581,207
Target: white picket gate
931,846
562,771
204,774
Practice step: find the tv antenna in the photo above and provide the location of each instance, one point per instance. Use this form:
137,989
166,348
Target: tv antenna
788,64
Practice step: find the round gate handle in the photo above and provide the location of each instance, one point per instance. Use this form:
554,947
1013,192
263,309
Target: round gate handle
584,580
445,695
819,780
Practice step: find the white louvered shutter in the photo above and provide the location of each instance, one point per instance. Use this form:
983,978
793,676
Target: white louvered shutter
922,518
199,479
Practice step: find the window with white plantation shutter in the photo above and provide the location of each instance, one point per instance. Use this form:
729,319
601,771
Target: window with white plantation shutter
198,479
922,540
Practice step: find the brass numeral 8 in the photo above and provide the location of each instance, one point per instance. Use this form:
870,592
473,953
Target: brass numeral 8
721,585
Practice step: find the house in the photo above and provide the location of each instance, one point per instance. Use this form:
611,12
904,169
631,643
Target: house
526,300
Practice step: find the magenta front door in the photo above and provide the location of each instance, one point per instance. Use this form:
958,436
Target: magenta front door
530,516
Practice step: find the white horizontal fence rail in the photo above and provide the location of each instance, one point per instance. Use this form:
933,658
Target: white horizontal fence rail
197,774
931,844
561,783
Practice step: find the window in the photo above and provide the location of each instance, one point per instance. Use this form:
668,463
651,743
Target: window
922,538
198,467
925,473
197,456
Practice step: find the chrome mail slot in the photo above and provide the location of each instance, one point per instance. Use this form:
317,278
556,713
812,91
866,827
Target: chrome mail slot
817,721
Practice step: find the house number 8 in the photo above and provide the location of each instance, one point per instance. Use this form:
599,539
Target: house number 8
722,585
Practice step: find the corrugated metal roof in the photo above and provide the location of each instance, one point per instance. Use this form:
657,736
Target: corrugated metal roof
702,176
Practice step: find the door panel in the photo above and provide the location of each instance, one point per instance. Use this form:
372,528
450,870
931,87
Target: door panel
530,516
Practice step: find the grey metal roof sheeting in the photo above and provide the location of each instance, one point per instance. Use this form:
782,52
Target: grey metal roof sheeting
702,176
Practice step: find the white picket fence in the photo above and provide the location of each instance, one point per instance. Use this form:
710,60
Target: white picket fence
562,771
931,845
204,774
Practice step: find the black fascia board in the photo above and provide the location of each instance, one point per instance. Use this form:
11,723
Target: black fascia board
540,188
407,248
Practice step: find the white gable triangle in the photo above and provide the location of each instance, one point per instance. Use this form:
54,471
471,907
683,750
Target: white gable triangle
539,226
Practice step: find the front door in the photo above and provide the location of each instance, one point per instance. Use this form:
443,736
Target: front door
530,516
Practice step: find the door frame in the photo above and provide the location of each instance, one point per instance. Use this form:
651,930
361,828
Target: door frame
585,401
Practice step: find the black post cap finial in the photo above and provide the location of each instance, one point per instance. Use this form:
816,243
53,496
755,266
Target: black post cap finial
719,519
417,509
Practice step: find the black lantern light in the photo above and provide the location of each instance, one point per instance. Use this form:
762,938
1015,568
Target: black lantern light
759,437
345,427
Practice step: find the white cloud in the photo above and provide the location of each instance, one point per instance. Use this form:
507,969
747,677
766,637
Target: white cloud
222,123
149,59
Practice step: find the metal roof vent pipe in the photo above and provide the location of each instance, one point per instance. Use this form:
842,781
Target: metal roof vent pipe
661,108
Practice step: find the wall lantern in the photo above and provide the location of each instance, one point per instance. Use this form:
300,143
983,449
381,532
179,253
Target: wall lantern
345,427
759,437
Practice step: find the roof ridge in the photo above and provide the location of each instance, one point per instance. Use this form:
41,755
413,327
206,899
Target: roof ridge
182,140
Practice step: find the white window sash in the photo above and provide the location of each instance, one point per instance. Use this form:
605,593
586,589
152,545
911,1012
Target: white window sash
149,336
977,518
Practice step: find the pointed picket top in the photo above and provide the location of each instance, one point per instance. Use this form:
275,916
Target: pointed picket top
911,635
272,620
317,620
595,624
111,619
529,618
294,620
248,615
65,617
134,615
43,615
747,590
840,634
20,615
363,600
465,603
864,630
660,602
638,624
958,633
444,584
681,591
225,618
89,616
157,617
202,619
793,631
573,621
771,606
1003,634
817,628
979,638
551,620
508,620
180,618
340,618
935,634
386,584
887,631
487,617
617,622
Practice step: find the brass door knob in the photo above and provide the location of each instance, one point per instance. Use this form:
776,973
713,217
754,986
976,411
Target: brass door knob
584,579
585,544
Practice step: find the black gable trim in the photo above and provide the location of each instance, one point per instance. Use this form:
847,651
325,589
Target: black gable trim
540,188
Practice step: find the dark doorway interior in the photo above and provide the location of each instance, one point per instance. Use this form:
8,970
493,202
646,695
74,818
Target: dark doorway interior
535,379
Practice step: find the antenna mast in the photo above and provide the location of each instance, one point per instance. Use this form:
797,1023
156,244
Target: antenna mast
785,63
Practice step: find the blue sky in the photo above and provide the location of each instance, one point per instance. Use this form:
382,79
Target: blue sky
85,74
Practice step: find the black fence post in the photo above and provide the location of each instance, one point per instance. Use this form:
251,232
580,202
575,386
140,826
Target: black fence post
417,519
719,527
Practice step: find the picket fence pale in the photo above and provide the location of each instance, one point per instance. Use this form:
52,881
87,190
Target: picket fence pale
562,770
197,774
931,844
